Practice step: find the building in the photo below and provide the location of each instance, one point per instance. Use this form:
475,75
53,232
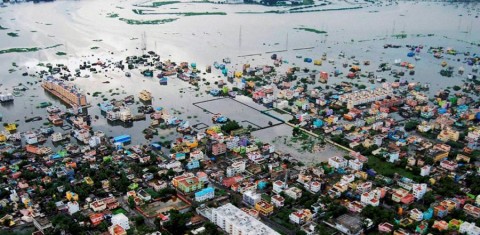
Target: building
293,192
277,200
264,208
355,164
472,210
122,220
218,149
187,183
385,227
371,198
237,222
418,190
251,198
440,225
116,230
402,195
237,167
96,218
42,223
440,211
425,170
448,134
68,93
278,186
349,224
449,165
469,229
337,162
300,216
97,206
73,207
416,215
205,194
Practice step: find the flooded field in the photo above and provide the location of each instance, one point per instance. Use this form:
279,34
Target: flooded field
71,32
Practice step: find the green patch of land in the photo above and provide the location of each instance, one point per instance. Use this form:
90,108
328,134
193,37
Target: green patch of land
203,13
94,48
61,53
12,34
56,45
312,30
26,49
97,40
163,3
112,15
3,28
308,2
142,22
19,50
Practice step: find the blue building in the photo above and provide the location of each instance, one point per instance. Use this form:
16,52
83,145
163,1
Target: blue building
193,164
205,194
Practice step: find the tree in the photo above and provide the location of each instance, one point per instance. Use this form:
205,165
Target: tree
131,202
230,125
411,125
139,220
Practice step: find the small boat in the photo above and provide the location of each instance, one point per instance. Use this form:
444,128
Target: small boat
443,64
127,74
53,109
418,57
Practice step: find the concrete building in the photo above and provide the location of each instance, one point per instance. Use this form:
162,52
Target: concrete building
278,201
300,216
264,208
337,162
293,192
251,198
418,190
236,222
72,207
205,194
68,93
237,167
425,170
469,229
278,186
121,220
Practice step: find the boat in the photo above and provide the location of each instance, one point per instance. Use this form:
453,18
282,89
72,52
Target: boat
226,60
127,74
418,57
443,64
55,119
53,109
44,104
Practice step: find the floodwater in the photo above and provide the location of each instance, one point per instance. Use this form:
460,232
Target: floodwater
81,25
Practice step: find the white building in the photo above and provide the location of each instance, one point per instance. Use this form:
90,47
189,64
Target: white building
425,170
73,207
346,179
278,186
364,187
278,201
121,220
393,156
469,229
418,190
237,167
251,198
314,186
31,138
355,164
337,162
293,192
371,198
237,222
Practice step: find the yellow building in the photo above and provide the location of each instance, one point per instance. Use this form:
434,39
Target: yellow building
448,134
264,208
3,138
72,196
11,127
88,180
